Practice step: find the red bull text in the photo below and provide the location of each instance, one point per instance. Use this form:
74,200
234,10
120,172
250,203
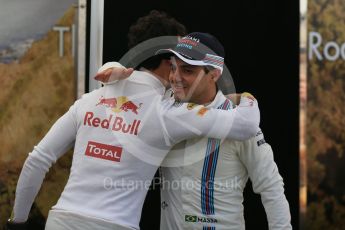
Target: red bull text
115,123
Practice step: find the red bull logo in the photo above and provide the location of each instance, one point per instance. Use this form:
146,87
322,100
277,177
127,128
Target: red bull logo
129,105
119,104
108,102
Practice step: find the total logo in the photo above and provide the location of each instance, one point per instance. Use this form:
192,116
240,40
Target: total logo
119,104
103,151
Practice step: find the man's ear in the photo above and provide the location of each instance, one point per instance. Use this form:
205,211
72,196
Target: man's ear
215,74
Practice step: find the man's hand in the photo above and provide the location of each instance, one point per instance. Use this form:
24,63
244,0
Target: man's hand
113,74
236,97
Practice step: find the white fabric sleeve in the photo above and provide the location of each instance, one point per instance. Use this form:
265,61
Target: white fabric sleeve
56,142
109,65
257,156
189,120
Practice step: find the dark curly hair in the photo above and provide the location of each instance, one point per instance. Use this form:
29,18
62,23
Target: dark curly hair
155,24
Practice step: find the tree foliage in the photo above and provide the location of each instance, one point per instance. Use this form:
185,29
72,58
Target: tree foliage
325,120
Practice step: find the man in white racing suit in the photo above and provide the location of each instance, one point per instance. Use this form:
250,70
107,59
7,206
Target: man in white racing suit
203,178
122,132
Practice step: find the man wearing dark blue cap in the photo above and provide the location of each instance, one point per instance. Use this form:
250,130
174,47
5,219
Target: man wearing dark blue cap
212,173
193,54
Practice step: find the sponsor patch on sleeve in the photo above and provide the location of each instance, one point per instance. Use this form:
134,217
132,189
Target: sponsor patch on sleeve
258,133
260,142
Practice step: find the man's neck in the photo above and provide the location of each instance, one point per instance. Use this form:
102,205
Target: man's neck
207,99
211,96
156,74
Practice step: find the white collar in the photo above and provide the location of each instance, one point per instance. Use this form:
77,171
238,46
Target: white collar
218,100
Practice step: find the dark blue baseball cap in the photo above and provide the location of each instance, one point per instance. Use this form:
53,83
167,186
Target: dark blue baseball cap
200,49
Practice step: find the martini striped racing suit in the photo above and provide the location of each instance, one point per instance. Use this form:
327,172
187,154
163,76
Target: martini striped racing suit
204,178
121,133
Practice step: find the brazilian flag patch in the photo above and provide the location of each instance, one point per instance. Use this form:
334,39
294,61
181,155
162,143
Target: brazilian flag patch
190,218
